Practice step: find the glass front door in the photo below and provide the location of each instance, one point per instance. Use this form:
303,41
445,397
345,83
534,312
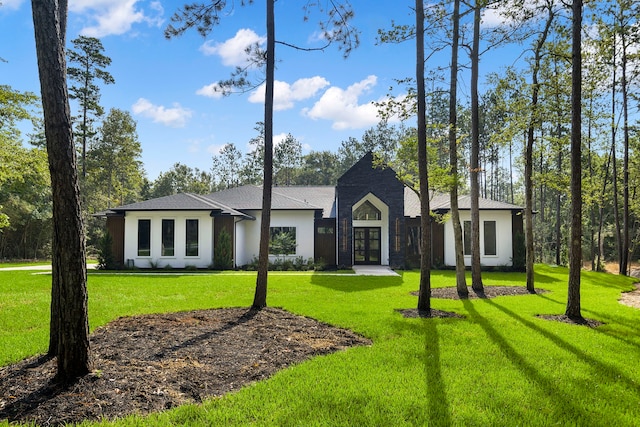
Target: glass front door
366,245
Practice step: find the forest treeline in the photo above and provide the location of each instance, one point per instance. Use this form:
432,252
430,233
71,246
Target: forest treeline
109,151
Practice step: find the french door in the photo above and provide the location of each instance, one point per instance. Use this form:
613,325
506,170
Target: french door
366,245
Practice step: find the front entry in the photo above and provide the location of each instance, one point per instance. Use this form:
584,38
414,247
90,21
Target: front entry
366,245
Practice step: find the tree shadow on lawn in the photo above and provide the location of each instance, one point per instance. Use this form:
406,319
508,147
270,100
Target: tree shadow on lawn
604,370
438,406
353,283
562,403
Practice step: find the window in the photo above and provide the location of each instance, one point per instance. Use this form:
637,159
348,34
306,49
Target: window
191,246
490,238
168,232
367,212
144,237
413,240
282,241
325,230
466,237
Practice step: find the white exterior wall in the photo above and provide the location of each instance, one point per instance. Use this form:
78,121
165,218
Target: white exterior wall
248,234
504,244
179,260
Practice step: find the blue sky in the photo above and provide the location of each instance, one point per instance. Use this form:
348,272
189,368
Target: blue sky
321,98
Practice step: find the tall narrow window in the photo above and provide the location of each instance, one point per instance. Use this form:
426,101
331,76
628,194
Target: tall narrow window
144,237
168,234
466,237
413,240
490,238
191,248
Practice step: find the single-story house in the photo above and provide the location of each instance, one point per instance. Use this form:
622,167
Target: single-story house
369,217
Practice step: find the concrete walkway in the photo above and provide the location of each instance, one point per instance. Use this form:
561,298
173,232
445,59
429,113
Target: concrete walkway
374,270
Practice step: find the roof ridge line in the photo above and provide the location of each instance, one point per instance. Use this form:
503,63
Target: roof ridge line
214,203
202,199
273,189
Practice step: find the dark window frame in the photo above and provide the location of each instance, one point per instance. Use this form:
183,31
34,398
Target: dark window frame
144,237
466,237
168,237
191,244
490,238
366,209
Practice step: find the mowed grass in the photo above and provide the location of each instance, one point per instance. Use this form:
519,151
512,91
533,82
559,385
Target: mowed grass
499,365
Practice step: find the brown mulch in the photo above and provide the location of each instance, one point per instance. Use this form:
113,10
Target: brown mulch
564,319
452,293
155,362
412,313
489,292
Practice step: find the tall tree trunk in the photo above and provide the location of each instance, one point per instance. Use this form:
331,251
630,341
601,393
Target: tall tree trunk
614,160
260,297
476,273
528,155
512,199
575,246
70,329
624,254
592,212
424,297
558,224
461,281
599,259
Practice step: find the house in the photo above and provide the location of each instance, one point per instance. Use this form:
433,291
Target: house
369,217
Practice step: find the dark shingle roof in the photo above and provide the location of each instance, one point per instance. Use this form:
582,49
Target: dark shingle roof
180,202
440,202
249,197
234,201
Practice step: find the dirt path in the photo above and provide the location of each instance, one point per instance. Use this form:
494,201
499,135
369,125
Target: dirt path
632,299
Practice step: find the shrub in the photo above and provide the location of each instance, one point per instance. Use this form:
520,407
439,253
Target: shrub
222,257
106,260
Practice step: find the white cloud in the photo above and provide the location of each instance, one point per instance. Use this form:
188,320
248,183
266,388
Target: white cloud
342,106
174,117
211,91
10,4
277,139
233,51
501,13
115,16
285,95
215,149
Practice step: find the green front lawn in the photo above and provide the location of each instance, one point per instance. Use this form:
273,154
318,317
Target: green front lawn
500,365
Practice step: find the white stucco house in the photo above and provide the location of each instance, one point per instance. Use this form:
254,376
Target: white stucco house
369,217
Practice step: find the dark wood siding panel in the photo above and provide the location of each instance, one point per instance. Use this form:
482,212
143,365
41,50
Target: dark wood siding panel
325,241
437,243
412,248
115,227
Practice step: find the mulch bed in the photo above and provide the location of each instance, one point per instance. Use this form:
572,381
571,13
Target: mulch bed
564,319
155,362
489,292
492,292
452,293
